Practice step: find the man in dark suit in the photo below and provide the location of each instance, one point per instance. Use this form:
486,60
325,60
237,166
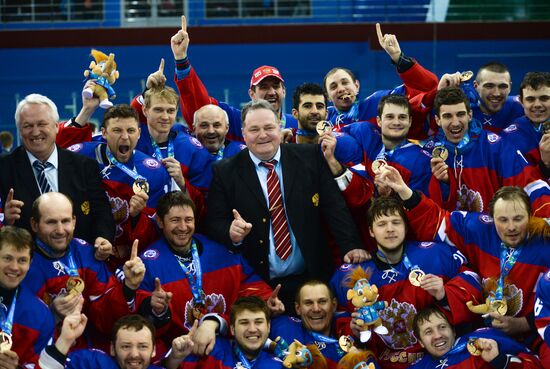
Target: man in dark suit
40,166
243,213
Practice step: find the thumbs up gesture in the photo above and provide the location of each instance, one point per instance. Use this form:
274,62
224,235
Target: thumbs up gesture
239,228
160,299
134,269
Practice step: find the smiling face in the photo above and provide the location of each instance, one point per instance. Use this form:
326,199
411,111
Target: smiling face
161,115
341,89
394,123
493,89
211,127
262,133
271,89
56,224
38,130
316,308
251,330
536,103
133,349
178,227
454,120
312,110
511,221
122,135
437,336
14,265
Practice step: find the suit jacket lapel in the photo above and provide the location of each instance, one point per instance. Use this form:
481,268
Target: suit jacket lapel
65,166
290,170
247,172
26,176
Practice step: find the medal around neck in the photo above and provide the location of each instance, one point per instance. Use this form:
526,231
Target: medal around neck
75,286
323,126
466,76
377,165
499,306
473,347
5,342
440,152
416,276
140,185
346,343
546,127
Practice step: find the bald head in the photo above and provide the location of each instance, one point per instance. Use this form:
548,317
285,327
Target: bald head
211,125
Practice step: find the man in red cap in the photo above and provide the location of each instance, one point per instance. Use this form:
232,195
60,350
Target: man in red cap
266,83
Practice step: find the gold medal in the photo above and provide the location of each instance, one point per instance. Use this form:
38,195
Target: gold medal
546,127
324,126
75,286
499,306
473,347
377,165
140,185
440,152
5,342
347,97
345,343
416,276
466,76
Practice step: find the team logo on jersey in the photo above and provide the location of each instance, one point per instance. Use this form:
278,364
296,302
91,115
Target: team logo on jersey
426,245
493,137
512,294
337,134
57,265
320,345
80,241
295,320
345,267
75,147
195,142
151,163
486,219
469,200
212,303
398,318
427,154
511,128
151,254
239,365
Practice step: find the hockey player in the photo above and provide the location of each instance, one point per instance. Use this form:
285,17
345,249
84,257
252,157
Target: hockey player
132,346
542,317
65,274
250,322
343,87
201,277
211,126
444,282
484,348
476,163
26,323
504,247
132,180
531,133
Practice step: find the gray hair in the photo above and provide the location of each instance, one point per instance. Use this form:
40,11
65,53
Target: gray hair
36,99
257,105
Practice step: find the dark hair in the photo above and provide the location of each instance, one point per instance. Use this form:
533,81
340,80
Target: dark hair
135,321
19,238
257,105
510,193
450,96
424,315
35,210
334,70
173,199
250,303
307,89
493,66
312,282
535,80
386,206
120,111
394,99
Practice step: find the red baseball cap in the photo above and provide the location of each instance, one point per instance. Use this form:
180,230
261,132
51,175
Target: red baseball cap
263,72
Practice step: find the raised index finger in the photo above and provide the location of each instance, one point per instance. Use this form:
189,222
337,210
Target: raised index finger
183,23
379,33
134,253
161,66
193,329
10,196
276,291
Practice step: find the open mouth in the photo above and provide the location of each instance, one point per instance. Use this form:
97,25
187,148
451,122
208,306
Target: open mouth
123,149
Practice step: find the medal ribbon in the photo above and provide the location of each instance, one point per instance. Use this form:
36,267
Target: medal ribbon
306,133
458,347
195,281
72,269
132,173
351,115
406,262
244,361
7,324
169,148
322,338
389,154
219,154
506,264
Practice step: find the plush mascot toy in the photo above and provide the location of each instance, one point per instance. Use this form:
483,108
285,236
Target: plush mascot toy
358,359
103,71
364,297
